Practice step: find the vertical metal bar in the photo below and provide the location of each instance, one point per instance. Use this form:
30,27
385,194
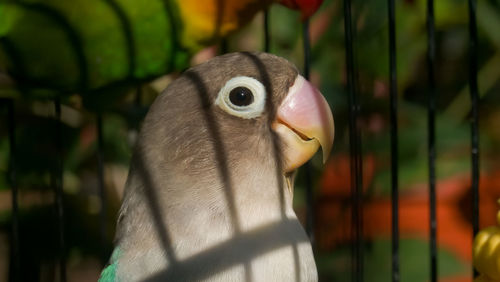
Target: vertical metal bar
393,88
138,111
357,253
102,189
307,48
224,46
431,54
358,194
58,186
267,40
138,97
12,178
307,166
296,258
474,95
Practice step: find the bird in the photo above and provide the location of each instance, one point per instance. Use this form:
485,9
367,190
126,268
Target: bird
210,186
95,47
487,253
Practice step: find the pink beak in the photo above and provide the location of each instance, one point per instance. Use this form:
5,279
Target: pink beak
304,122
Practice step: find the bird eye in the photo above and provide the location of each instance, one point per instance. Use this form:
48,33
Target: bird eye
242,96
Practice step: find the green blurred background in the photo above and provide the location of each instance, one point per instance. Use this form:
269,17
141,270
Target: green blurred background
122,114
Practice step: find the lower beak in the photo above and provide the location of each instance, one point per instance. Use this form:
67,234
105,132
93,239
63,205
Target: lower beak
304,122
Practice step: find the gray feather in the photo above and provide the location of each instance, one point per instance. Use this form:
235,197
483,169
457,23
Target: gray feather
205,199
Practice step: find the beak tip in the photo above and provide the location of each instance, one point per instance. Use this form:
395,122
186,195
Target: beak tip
326,149
328,135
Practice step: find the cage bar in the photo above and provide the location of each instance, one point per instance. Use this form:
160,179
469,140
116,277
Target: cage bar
12,180
102,188
58,187
475,118
307,165
431,135
357,250
393,90
267,40
474,95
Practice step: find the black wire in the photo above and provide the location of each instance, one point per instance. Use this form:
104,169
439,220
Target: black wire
431,54
267,40
307,48
394,141
357,250
138,97
137,111
224,46
58,187
102,188
307,166
474,95
12,178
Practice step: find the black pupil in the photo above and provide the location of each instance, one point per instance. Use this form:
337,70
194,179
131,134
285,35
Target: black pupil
241,96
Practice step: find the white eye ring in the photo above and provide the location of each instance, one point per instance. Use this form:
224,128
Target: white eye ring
254,109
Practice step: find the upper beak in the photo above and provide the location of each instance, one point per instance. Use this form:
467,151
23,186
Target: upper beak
304,122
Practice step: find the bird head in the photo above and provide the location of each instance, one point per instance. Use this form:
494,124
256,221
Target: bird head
236,112
215,156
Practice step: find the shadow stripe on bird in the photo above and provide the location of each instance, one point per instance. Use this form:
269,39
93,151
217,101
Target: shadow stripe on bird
257,242
276,150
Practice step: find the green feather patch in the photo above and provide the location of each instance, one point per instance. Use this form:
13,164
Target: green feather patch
109,273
